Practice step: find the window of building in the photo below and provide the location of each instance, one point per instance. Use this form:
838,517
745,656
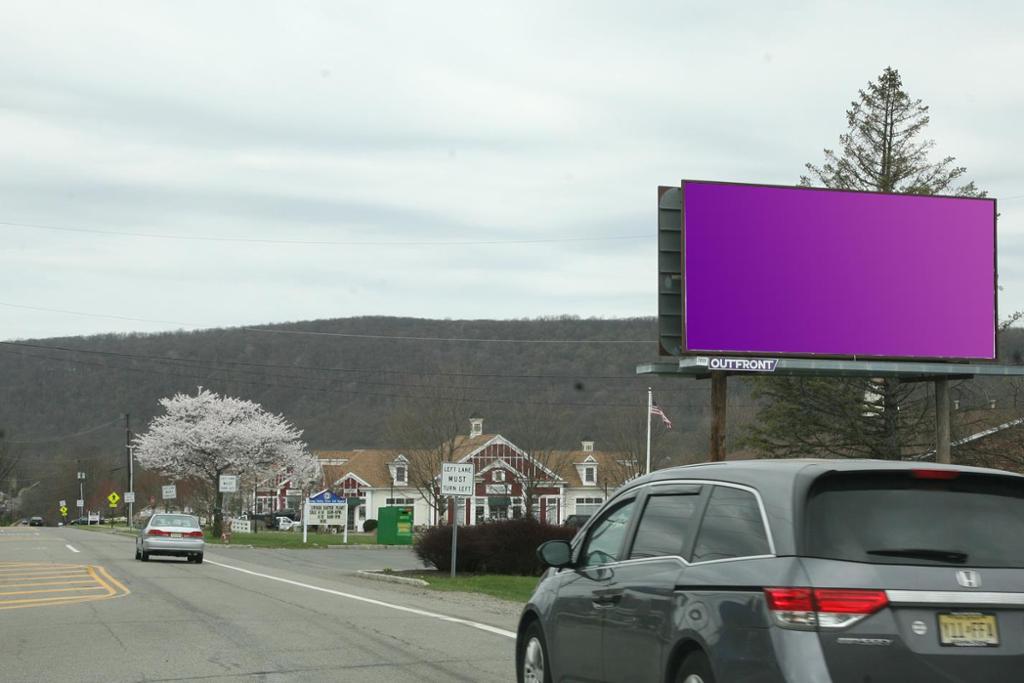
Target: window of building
499,475
732,527
589,475
401,474
667,525
588,506
399,501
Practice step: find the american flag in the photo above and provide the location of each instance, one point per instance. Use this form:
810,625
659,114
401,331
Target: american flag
656,410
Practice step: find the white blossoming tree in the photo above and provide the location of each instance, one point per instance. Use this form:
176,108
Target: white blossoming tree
207,435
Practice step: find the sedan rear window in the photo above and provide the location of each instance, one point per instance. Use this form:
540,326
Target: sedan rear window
917,518
175,520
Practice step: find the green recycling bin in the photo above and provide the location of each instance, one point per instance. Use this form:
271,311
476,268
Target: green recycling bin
394,525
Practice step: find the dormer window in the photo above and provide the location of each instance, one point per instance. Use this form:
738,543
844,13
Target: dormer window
401,475
476,426
590,475
588,446
499,475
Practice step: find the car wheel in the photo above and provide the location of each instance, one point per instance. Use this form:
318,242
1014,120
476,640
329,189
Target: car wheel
695,669
144,556
199,558
534,666
138,555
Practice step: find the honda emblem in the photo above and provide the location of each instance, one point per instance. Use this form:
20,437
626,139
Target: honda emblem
968,578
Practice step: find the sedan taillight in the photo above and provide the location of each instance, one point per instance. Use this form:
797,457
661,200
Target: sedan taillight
194,534
808,609
157,532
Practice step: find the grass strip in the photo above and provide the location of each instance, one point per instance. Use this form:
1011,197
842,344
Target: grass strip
506,587
292,539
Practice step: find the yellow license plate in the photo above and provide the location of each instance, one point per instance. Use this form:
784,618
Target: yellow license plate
968,629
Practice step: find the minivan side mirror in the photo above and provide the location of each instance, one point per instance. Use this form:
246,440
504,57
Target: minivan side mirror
557,553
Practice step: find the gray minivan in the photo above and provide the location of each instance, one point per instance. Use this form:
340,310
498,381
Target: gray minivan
788,570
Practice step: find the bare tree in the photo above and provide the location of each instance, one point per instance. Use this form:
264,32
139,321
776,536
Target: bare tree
542,434
7,458
428,431
627,437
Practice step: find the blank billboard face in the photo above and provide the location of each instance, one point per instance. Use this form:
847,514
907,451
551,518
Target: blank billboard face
779,270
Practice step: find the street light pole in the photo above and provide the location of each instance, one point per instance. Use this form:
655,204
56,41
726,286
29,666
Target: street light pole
131,473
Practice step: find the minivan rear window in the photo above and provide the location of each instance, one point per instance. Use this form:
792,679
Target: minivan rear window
903,518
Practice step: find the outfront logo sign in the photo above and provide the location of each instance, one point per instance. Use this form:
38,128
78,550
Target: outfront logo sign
742,364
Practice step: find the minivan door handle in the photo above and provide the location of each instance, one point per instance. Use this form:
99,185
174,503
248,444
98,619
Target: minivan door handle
606,597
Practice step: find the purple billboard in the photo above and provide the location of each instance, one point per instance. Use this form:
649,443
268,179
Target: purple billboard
812,272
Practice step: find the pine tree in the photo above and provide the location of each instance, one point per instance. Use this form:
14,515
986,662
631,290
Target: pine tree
883,150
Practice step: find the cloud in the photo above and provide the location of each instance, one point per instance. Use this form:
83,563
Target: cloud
447,121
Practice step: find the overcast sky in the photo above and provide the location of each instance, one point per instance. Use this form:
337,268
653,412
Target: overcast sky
427,124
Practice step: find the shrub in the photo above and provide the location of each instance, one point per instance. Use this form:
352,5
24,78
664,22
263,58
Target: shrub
434,547
505,547
369,525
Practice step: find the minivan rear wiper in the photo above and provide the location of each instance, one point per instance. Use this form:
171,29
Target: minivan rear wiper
956,556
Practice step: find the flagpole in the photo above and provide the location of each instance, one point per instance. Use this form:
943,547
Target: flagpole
650,406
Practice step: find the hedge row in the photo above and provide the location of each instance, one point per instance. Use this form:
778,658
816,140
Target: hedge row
505,547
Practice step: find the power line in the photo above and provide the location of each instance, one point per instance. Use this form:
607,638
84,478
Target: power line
320,368
96,315
452,339
352,335
322,243
67,436
458,399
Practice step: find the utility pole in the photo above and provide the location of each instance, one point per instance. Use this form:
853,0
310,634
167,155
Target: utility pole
131,473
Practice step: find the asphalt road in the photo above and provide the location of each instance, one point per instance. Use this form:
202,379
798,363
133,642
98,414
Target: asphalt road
76,606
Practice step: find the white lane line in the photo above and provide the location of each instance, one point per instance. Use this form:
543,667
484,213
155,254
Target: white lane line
72,548
380,603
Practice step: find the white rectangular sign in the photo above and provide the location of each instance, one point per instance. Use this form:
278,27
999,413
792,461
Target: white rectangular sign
457,479
63,502
129,496
326,514
228,483
80,503
170,492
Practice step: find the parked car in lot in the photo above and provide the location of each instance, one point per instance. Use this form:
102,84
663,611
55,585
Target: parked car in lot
171,534
788,571
36,521
576,521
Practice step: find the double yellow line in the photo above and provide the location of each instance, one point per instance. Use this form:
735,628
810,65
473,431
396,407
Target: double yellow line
32,584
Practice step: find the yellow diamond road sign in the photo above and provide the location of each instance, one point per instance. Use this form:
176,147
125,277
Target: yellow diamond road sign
64,510
113,498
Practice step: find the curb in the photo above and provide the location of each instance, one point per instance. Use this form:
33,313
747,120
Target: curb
367,546
390,578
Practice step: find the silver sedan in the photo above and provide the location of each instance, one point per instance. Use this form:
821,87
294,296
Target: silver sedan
171,534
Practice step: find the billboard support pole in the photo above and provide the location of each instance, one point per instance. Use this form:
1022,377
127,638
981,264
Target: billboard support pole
942,445
718,394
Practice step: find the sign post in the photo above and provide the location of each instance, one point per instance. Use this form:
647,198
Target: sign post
170,492
456,480
81,494
228,484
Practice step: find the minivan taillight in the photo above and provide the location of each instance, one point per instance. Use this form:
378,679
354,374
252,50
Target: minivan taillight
827,608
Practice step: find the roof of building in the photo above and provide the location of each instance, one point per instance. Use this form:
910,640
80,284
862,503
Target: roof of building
371,465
